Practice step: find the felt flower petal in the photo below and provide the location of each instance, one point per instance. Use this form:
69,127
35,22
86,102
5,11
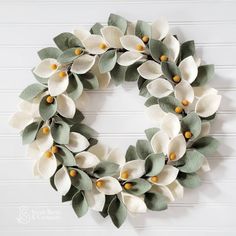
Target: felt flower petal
47,166
44,141
112,35
65,106
184,91
132,170
155,114
86,160
44,69
95,199
178,146
81,34
33,151
110,185
35,168
20,120
116,156
165,191
167,175
82,102
82,64
160,29
100,150
159,142
57,85
204,90
62,181
170,125
160,88
188,69
129,58
205,165
208,105
150,70
77,142
133,203
130,43
177,189
173,45
95,44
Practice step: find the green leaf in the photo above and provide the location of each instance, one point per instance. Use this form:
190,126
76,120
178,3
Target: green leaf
89,81
105,168
81,181
189,180
118,21
155,201
49,52
169,103
205,74
68,56
65,156
47,110
143,148
170,69
84,130
108,201
131,154
118,74
151,101
131,73
190,162
157,49
150,132
75,87
212,117
78,117
30,132
32,91
74,42
154,164
69,195
117,211
95,29
192,123
107,61
187,49
60,131
139,186
143,89
206,145
142,28
140,82
79,204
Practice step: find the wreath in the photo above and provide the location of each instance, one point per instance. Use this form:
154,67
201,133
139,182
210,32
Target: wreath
155,171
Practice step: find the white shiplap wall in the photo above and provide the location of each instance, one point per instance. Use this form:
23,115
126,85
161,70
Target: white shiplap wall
117,114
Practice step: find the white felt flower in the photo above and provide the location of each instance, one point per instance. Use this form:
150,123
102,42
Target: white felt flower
128,58
150,70
86,160
95,44
81,34
108,185
155,114
83,64
62,181
65,106
173,45
160,29
132,43
188,69
112,36
44,139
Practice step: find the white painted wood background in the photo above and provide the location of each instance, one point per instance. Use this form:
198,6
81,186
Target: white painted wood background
29,206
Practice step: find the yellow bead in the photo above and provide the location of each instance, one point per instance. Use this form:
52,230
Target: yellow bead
54,149
145,38
102,46
78,51
99,183
187,134
50,99
62,74
73,173
163,58
185,102
154,179
128,186
53,66
172,156
45,130
48,154
139,47
125,175
178,110
176,79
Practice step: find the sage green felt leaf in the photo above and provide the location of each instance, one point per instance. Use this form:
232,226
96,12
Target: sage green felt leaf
93,141
212,117
131,73
192,123
117,211
68,56
108,201
169,103
142,28
118,74
206,145
189,180
131,154
30,132
79,204
32,91
154,164
60,131
143,148
143,91
139,186
150,132
170,69
155,201
49,52
81,180
84,130
186,49
105,168
73,42
95,29
140,82
78,117
151,101
89,81
69,195
47,110
190,162
75,87
205,74
65,156
118,21
107,61
157,49
39,79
